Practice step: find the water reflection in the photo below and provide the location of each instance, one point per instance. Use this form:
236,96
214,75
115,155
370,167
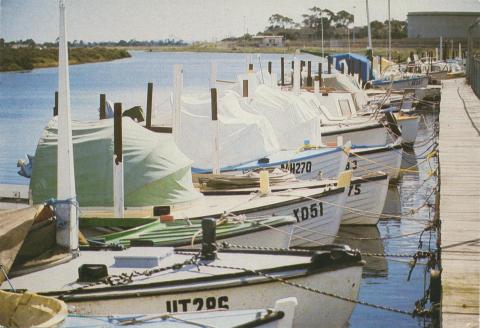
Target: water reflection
393,202
367,239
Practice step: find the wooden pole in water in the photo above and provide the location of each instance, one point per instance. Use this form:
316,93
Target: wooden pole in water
149,104
302,65
320,75
103,105
55,107
380,64
293,64
342,68
245,88
216,143
282,70
329,66
118,188
309,74
359,69
269,67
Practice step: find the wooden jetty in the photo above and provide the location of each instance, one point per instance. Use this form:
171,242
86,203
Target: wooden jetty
460,204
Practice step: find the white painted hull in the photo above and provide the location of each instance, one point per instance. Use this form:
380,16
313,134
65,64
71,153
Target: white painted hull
368,198
388,160
323,166
330,312
372,136
409,127
318,221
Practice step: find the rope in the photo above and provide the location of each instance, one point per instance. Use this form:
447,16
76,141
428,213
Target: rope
163,316
2,268
314,290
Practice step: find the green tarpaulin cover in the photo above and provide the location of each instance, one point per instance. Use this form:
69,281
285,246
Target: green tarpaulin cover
156,172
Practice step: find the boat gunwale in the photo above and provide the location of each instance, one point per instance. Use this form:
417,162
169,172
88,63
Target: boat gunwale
86,295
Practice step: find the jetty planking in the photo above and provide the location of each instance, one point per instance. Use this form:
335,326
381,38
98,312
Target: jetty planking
460,204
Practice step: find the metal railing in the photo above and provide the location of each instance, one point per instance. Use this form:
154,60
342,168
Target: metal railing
474,75
473,60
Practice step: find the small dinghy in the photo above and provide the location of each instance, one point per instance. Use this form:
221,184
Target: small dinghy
281,316
31,310
154,279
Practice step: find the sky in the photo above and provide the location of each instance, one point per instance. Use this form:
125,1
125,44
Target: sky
190,20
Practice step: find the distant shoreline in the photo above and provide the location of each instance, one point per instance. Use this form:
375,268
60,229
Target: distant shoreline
27,59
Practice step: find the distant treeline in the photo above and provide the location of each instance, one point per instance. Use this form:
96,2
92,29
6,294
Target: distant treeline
82,44
27,58
335,26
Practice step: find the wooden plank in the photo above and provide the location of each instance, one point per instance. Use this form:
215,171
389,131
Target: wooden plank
459,205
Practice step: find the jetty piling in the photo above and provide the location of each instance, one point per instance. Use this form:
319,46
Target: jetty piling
103,104
55,107
282,71
148,122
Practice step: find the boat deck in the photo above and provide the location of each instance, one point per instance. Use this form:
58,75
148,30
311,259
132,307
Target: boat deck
460,204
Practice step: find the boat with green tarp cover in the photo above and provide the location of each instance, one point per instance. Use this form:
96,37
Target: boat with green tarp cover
272,231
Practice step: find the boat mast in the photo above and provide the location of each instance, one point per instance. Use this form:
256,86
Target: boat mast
177,96
369,29
66,211
389,35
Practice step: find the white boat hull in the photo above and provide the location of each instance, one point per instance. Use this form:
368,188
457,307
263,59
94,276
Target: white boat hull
318,217
308,167
386,159
365,202
371,134
331,312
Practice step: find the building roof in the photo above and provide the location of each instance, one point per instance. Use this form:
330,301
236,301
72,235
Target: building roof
444,13
267,36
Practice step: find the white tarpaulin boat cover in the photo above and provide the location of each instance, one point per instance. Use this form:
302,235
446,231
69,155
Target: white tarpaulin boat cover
156,172
242,136
347,83
293,118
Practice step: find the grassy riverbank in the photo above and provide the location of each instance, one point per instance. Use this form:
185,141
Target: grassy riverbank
29,58
397,53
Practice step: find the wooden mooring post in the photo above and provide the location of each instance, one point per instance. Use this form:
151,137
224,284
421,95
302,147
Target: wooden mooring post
282,71
55,107
103,106
148,122
309,74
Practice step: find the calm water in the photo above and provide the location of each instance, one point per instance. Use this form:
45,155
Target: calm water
26,101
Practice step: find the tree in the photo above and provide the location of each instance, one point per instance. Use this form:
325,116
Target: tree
343,18
278,21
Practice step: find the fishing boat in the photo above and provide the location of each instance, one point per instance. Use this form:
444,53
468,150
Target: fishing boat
362,106
363,206
309,162
165,280
366,197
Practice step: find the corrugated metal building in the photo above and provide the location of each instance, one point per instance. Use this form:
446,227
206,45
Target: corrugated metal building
435,24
